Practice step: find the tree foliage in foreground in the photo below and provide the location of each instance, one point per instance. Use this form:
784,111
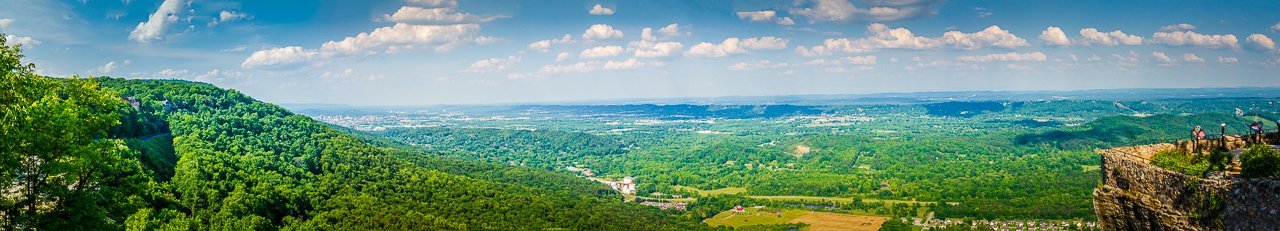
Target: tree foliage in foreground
246,165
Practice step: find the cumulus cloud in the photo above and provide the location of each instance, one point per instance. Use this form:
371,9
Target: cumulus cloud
992,36
436,33
112,66
432,3
493,64
735,46
880,36
600,52
228,16
386,39
1091,36
766,42
1275,27
563,56
785,21
762,64
1178,27
852,60
600,10
1228,59
628,64
650,49
545,45
1189,57
1160,56
4,22
279,56
757,16
21,40
1261,42
158,23
1190,38
1054,36
580,67
1007,57
601,32
670,30
727,47
435,16
875,11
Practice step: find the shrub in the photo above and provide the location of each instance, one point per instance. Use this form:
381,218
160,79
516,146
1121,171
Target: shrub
1181,162
1259,161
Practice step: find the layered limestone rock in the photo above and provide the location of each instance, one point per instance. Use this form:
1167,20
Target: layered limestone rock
1135,195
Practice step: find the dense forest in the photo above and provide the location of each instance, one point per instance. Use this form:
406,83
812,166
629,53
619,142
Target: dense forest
109,154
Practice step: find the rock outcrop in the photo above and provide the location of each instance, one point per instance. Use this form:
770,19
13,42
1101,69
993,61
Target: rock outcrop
1135,195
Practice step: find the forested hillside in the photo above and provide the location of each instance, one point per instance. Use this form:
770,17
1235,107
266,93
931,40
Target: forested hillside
191,156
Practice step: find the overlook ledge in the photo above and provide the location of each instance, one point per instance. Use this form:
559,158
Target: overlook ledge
1137,195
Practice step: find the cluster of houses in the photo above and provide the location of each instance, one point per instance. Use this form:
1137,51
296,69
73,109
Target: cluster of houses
666,205
627,186
1003,225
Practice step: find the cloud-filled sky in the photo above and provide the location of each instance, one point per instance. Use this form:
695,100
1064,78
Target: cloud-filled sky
417,52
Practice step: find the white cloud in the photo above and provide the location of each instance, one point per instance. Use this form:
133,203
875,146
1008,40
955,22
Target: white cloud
432,3
877,11
4,22
563,56
1275,27
279,56
757,16
404,36
649,49
580,67
671,30
1228,59
726,48
762,64
21,40
766,42
879,36
1160,56
1054,36
545,45
1090,36
1008,57
854,60
493,65
112,66
601,32
628,64
983,12
992,36
386,39
1178,27
786,21
435,16
173,73
600,52
1261,42
159,22
228,16
1190,38
599,10
1189,57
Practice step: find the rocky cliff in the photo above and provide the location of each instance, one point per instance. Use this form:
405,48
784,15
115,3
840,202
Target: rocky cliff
1135,195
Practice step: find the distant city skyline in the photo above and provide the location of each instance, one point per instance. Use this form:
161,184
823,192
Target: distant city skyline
423,52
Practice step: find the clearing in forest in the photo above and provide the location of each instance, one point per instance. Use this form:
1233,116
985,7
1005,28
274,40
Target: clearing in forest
713,192
816,220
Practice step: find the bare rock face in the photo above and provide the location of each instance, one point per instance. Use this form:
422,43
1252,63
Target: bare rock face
1135,195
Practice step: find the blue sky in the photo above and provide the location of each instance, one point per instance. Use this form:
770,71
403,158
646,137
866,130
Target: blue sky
416,52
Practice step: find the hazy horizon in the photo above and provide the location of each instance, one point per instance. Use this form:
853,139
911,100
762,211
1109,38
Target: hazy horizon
501,52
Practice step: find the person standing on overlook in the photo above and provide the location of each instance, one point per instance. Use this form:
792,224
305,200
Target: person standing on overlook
1197,134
